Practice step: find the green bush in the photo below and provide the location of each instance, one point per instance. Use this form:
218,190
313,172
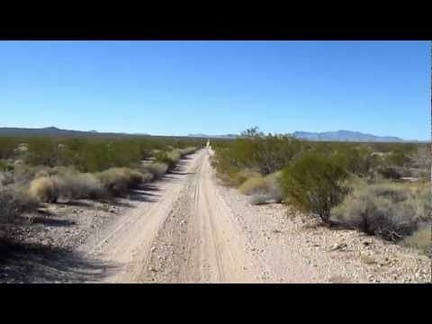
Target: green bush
314,183
264,154
389,210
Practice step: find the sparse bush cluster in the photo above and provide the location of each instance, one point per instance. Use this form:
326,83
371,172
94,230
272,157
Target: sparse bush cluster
360,185
66,187
256,152
172,157
389,210
116,181
51,170
89,154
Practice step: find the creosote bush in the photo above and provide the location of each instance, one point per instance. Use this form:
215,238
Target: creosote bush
389,210
314,183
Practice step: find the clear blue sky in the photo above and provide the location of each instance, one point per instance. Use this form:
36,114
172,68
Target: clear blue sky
215,87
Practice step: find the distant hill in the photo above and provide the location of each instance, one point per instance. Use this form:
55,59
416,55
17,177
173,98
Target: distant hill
345,136
64,133
53,132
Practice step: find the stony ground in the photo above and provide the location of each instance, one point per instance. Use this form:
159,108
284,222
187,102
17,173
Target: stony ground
334,255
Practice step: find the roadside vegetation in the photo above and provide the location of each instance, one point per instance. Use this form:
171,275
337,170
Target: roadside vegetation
381,189
41,170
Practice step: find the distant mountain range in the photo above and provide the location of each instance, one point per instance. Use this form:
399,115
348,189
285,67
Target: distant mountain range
345,136
55,132
339,136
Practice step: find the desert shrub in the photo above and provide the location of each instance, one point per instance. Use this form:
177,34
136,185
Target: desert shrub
134,177
240,176
267,187
314,183
174,155
157,169
274,189
420,162
259,198
147,176
421,240
113,180
389,210
44,189
78,186
50,185
357,160
42,174
24,173
41,151
170,158
117,181
61,171
14,199
55,171
264,154
187,151
253,185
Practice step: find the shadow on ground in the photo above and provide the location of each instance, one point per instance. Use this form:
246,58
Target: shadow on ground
52,221
37,263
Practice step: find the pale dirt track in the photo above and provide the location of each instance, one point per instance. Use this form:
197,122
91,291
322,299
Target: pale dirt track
188,235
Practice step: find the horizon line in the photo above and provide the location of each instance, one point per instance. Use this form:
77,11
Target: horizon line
191,134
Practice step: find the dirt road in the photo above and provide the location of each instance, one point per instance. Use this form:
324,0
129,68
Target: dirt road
187,235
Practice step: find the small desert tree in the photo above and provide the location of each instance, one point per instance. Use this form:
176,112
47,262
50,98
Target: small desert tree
314,183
